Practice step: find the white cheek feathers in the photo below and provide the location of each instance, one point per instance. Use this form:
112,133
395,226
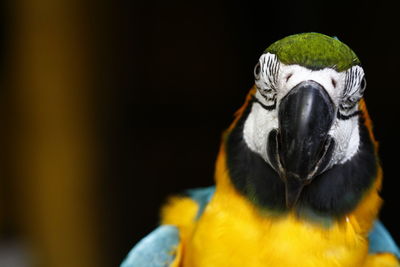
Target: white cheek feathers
347,139
257,127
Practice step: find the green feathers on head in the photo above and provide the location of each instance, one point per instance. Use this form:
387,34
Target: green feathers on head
314,51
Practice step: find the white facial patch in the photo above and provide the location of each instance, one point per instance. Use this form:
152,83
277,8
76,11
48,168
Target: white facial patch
258,125
275,79
347,139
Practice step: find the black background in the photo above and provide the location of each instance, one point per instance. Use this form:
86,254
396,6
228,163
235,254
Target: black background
171,74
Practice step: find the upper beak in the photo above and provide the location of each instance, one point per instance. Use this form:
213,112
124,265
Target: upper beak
304,147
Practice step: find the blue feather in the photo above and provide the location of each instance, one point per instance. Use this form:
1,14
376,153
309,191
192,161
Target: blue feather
202,196
380,241
155,250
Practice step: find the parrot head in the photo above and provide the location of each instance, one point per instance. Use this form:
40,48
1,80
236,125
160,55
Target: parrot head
302,124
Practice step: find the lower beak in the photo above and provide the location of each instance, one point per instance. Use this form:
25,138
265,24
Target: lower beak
304,147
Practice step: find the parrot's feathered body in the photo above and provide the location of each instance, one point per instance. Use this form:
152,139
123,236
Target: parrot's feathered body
297,175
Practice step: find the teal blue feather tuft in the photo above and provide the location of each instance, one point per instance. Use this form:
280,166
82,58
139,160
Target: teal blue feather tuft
155,250
380,241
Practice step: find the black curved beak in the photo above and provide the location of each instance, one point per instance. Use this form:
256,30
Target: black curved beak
304,147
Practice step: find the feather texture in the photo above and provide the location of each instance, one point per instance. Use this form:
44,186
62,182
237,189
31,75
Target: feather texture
159,248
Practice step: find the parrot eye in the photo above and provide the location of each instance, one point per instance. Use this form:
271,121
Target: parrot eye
257,71
266,74
355,84
363,85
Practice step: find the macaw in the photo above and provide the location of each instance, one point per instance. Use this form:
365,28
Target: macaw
297,175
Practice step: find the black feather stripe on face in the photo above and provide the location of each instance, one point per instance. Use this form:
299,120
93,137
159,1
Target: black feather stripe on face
334,193
342,117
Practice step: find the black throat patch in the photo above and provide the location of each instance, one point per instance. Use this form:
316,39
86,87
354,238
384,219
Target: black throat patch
334,193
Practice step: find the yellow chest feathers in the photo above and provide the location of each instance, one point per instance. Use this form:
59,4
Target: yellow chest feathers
232,234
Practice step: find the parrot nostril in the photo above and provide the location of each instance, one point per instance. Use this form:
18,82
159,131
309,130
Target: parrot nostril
334,83
289,76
